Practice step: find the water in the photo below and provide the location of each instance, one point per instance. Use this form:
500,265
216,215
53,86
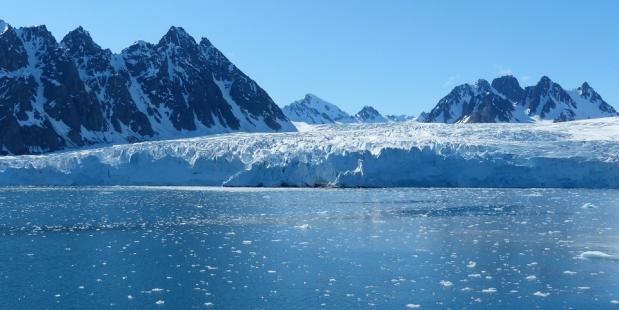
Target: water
183,248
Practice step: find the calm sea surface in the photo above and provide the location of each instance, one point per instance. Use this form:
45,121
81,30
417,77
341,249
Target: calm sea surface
214,248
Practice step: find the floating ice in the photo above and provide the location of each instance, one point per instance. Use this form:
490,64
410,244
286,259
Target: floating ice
588,205
541,294
303,226
446,283
598,255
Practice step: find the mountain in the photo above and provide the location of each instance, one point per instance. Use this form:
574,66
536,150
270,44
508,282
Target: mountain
365,155
504,100
74,93
313,110
399,118
370,115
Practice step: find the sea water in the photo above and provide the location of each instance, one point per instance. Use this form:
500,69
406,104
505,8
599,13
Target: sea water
219,248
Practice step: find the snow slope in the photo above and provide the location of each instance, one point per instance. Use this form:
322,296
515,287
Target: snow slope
571,154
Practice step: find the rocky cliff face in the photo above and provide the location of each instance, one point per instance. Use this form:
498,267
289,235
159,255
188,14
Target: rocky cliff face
74,93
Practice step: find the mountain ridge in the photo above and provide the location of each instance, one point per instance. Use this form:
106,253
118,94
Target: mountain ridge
504,100
74,93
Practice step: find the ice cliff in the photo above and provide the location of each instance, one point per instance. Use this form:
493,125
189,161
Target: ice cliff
571,154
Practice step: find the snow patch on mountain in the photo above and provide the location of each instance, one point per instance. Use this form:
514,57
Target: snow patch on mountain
575,154
3,26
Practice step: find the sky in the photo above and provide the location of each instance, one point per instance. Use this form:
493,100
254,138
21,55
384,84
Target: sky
398,56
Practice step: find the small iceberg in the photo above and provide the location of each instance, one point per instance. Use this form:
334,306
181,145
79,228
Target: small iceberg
588,205
598,255
303,226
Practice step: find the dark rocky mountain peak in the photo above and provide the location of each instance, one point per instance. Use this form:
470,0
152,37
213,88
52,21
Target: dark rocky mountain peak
586,91
38,33
177,36
369,114
508,86
75,93
591,97
483,85
80,41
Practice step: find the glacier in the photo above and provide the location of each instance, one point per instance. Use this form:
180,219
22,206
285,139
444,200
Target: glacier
571,154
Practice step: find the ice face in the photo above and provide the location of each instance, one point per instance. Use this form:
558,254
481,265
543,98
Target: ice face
575,154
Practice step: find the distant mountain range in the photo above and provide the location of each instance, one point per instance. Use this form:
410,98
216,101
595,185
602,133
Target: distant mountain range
55,95
504,100
314,110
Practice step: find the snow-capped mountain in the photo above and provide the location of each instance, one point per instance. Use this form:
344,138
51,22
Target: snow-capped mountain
575,154
370,115
74,93
313,110
506,101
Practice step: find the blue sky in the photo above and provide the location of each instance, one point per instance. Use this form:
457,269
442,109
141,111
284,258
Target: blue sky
399,56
